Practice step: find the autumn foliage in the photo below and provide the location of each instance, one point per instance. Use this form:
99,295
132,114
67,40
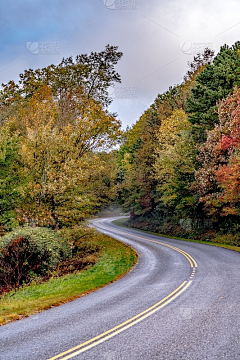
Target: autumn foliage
177,169
180,163
55,140
30,254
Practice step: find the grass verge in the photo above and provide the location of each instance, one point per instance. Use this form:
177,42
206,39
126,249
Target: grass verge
115,260
123,223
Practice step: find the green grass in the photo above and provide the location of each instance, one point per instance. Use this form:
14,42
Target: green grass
123,223
115,260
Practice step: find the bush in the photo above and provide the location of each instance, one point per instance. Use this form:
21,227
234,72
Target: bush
29,252
229,239
83,246
81,240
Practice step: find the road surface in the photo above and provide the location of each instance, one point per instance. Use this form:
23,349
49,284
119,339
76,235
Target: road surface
181,301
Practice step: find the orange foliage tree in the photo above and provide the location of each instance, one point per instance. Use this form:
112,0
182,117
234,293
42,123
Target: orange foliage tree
218,180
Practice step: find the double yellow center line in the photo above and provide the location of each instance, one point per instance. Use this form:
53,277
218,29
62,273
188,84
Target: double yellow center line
69,354
192,262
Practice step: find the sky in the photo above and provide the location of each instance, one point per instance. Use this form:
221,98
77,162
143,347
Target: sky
157,37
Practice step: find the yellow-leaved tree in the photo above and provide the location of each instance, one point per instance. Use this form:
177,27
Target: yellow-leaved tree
174,165
60,158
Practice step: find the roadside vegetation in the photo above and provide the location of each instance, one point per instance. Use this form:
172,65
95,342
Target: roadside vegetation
179,165
57,169
220,241
176,171
101,260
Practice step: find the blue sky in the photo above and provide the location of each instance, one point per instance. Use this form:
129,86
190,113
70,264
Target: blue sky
157,37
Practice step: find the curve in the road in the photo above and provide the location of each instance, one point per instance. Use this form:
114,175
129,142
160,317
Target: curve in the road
87,345
200,321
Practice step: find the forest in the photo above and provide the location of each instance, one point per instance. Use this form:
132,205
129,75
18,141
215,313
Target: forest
64,156
179,165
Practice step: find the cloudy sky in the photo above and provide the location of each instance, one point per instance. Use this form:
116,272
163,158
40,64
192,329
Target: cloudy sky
157,37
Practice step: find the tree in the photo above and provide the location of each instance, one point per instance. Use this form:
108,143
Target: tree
59,116
214,83
217,181
228,176
103,184
174,165
158,156
59,161
91,74
10,181
136,158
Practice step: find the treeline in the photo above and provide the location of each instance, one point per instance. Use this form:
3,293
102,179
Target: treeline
179,165
55,136
177,170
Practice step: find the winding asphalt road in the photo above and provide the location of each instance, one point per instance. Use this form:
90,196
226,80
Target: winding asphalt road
181,301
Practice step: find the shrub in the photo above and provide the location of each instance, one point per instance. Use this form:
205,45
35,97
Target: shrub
229,239
30,252
81,240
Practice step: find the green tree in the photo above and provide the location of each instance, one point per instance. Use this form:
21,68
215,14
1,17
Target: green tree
137,156
140,191
174,165
214,83
10,181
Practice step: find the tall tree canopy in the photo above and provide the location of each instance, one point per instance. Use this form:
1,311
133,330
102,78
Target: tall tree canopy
218,179
63,133
214,83
166,177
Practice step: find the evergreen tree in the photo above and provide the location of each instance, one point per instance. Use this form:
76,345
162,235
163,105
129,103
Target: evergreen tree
214,83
